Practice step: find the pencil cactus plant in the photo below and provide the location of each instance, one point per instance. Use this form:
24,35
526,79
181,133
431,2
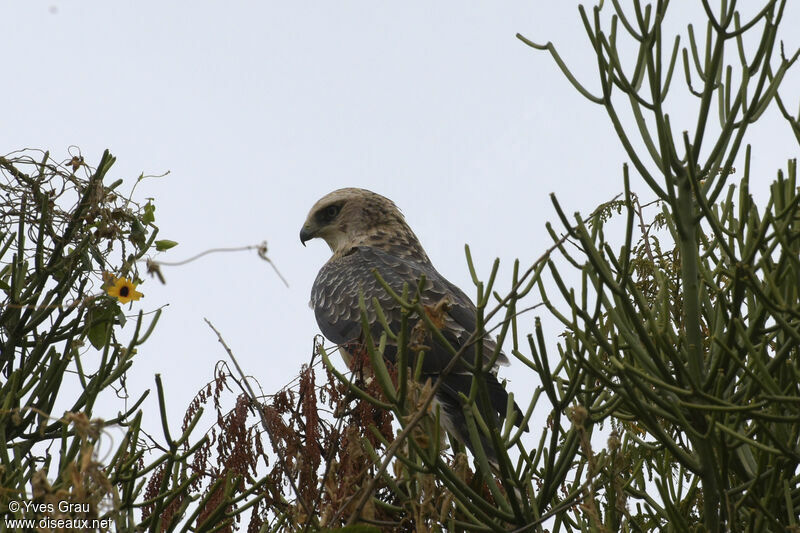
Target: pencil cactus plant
683,338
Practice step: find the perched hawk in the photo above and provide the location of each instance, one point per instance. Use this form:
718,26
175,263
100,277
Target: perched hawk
367,232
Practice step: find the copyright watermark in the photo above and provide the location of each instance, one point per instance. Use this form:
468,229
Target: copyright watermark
37,509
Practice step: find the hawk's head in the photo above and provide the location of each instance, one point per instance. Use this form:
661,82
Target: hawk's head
351,217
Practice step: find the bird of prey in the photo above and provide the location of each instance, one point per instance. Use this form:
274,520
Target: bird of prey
367,232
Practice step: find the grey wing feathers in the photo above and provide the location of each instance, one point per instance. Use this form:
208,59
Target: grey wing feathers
335,294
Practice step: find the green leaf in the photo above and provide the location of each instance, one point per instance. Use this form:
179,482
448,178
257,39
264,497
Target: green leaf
165,245
98,334
98,319
138,234
149,213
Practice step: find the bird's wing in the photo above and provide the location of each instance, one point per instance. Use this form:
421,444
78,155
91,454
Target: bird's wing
335,297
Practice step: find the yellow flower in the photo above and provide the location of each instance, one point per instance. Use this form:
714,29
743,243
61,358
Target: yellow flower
124,290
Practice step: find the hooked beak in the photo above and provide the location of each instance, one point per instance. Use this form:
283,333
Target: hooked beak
306,234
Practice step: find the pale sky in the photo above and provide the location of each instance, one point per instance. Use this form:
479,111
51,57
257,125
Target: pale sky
257,109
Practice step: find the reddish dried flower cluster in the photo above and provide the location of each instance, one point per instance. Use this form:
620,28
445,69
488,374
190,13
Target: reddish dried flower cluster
321,434
324,453
228,456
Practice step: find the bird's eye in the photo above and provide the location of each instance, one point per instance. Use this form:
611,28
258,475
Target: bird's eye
331,211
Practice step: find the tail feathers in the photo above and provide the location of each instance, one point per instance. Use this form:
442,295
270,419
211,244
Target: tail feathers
498,396
452,414
454,422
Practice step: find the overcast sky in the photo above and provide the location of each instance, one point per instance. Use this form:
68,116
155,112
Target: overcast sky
257,109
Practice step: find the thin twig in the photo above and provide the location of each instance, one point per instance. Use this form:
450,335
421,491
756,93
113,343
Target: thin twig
262,253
